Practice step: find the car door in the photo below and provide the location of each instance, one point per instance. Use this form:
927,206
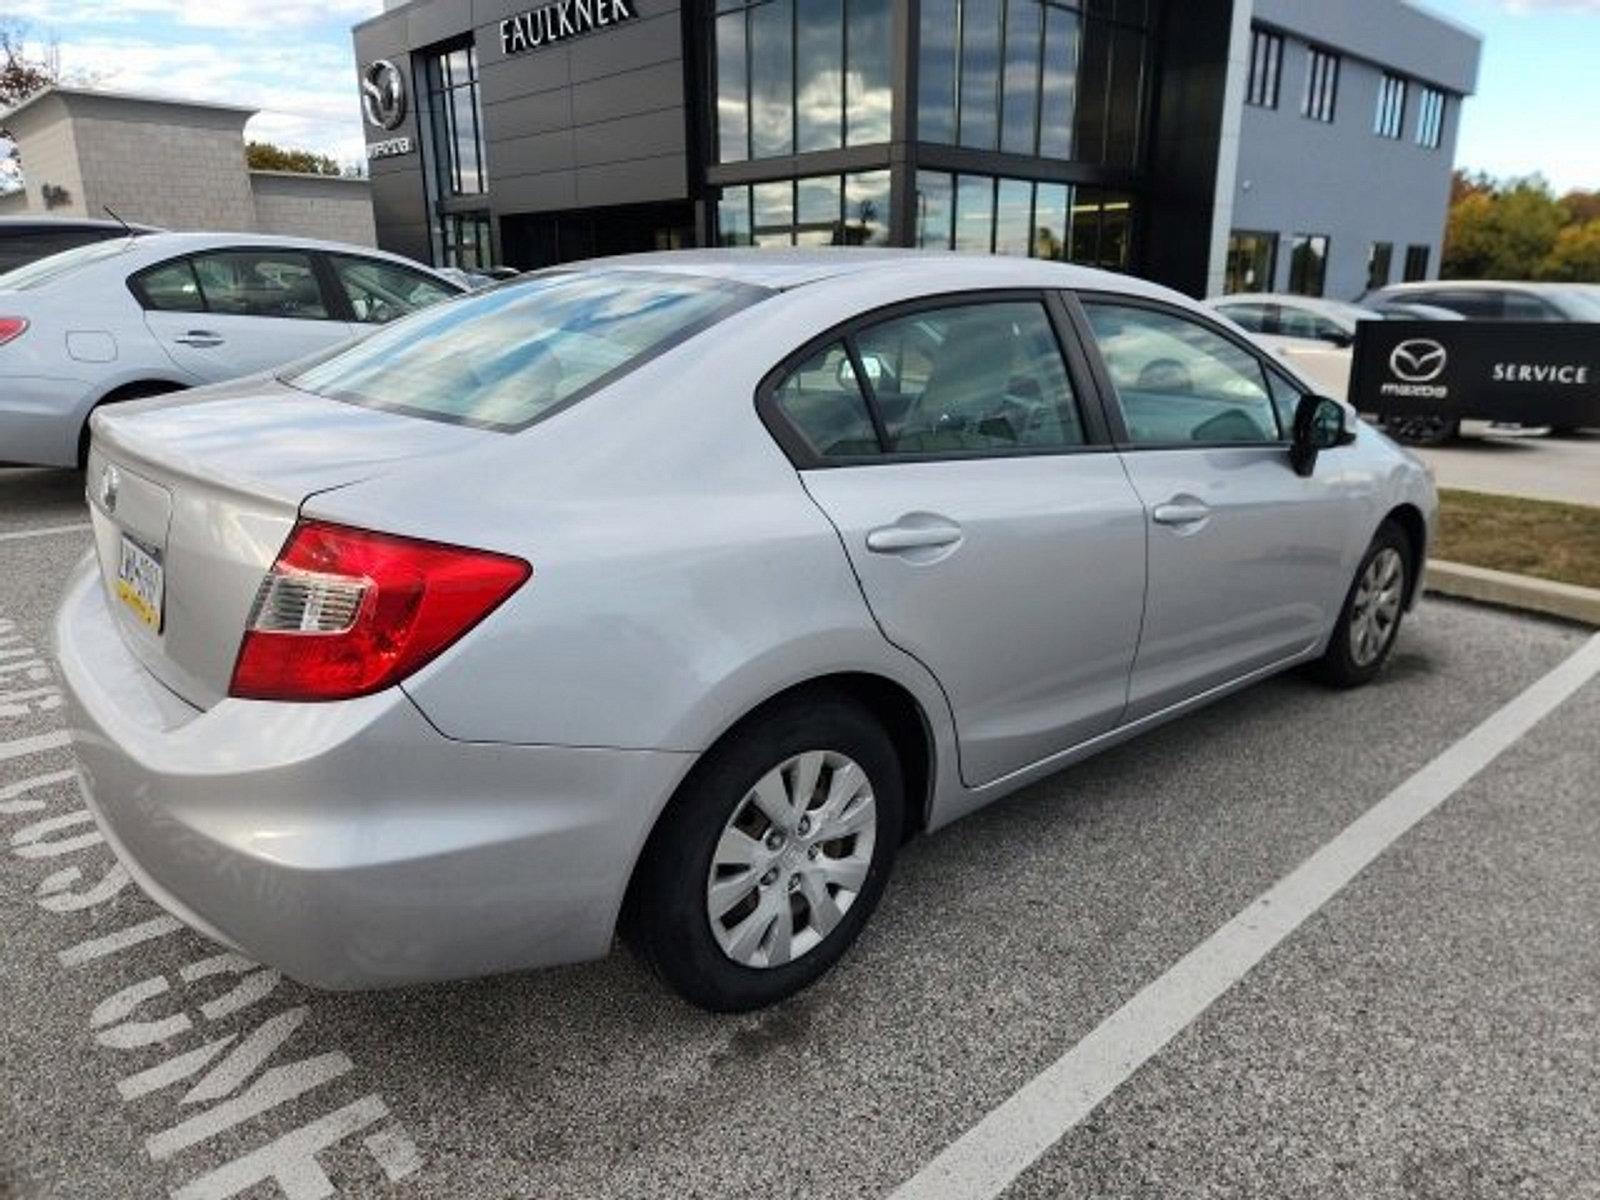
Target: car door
994,533
1245,556
252,308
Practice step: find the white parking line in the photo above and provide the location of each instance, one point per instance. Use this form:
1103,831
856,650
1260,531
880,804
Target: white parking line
986,1159
18,535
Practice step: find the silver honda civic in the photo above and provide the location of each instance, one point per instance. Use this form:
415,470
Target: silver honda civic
671,595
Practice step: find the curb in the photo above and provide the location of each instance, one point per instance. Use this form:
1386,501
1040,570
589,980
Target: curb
1514,591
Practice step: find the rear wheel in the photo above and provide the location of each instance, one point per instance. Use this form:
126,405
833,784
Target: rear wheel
772,856
133,391
1369,623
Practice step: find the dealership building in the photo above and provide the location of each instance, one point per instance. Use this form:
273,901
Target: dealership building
1210,144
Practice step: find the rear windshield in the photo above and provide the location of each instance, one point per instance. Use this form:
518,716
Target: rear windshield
47,270
504,357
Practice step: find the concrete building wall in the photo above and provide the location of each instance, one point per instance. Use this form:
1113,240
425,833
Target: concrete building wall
320,206
44,139
1341,179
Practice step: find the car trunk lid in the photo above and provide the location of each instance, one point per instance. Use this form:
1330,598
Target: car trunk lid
192,497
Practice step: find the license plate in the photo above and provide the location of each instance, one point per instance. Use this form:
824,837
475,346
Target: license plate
139,582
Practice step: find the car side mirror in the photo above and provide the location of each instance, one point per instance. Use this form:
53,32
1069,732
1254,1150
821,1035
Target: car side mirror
1319,424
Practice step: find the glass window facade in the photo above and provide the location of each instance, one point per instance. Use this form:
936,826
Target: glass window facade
797,76
1390,121
1308,264
1266,66
1321,98
816,210
1380,260
1035,78
985,214
1416,263
1430,118
455,122
1252,262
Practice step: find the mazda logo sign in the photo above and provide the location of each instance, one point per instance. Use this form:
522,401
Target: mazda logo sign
383,94
110,481
1420,360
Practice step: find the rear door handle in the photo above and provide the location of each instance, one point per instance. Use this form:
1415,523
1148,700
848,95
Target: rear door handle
200,337
1181,512
893,539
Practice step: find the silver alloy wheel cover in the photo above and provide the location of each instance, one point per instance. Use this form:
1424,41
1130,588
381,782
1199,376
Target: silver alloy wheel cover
1375,615
792,858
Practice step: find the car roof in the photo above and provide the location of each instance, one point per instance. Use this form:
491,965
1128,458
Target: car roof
781,269
1314,303
1423,286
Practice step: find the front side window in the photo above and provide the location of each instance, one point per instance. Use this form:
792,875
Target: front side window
1308,264
504,357
978,378
1298,323
1322,86
1257,318
1178,382
379,291
260,283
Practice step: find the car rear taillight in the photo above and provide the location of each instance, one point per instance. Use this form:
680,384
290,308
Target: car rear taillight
345,612
11,328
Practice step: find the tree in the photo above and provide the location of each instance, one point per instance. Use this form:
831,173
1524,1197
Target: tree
20,76
1582,207
264,156
1575,257
1502,231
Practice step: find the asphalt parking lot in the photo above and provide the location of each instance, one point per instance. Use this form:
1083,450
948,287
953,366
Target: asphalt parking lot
1431,1030
1484,459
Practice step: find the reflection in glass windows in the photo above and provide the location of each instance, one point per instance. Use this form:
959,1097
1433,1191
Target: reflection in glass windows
1308,264
1017,216
818,210
1034,76
1252,262
1266,66
1390,120
462,240
796,76
1321,98
455,122
1430,118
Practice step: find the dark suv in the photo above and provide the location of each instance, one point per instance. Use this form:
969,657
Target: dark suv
24,239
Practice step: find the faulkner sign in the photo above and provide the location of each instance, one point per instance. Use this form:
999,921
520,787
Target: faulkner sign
1534,373
551,23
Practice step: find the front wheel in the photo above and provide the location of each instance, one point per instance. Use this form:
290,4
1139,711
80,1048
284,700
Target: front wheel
772,856
1422,431
1369,623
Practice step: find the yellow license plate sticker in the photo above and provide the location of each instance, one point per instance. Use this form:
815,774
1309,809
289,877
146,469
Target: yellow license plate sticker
140,583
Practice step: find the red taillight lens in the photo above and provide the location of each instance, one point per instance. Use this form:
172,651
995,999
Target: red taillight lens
11,328
345,612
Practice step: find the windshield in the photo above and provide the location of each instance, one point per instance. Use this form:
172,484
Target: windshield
47,270
504,357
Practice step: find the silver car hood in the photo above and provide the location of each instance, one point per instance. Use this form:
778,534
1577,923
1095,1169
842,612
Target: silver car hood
209,484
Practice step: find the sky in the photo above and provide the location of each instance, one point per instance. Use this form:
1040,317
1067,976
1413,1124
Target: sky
292,59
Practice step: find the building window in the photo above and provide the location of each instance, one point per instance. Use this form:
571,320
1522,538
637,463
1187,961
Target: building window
1430,118
1391,119
1379,260
1416,263
1252,262
462,240
795,76
1034,78
1322,86
1266,64
818,210
986,214
1308,264
455,117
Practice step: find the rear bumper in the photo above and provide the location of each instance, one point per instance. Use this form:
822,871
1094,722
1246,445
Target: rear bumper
351,844
41,420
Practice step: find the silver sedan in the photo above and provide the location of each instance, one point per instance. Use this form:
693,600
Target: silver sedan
673,594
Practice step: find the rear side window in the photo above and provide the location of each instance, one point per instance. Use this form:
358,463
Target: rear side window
1178,382
58,266
379,291
507,356
822,399
171,287
260,283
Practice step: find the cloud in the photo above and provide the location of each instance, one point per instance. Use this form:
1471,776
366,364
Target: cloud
238,16
1536,6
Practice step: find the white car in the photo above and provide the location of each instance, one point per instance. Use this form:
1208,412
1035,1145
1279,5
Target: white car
1314,335
132,317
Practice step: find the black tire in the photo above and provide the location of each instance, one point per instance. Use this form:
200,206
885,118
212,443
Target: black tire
1422,431
1339,665
668,923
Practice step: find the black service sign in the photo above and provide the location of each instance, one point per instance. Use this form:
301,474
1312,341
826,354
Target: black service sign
1533,373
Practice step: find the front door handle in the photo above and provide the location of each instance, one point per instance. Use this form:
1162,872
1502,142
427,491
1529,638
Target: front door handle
1181,512
200,337
894,539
